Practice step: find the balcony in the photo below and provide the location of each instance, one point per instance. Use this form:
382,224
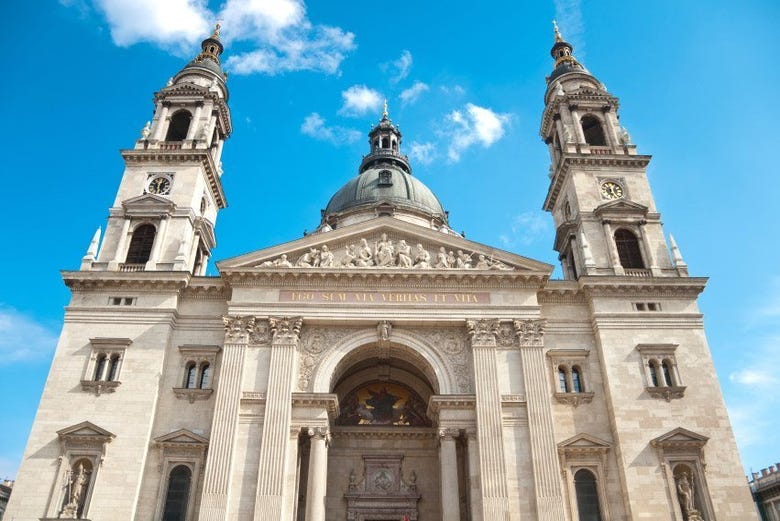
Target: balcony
633,272
132,267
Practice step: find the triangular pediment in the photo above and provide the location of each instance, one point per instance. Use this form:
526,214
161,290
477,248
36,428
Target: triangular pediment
584,441
85,430
387,244
620,207
184,89
680,436
148,204
182,437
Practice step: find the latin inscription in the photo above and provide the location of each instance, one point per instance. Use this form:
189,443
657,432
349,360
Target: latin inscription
385,297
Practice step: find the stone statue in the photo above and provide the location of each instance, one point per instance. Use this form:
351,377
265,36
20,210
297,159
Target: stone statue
482,263
451,260
146,131
384,328
326,257
463,261
384,252
404,254
625,137
169,83
364,257
310,259
685,494
559,91
441,259
422,259
566,134
283,262
349,256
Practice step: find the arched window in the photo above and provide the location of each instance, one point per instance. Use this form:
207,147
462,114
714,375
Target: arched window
395,145
666,365
653,366
587,496
113,368
628,249
594,134
178,494
191,376
205,376
141,244
563,384
100,366
179,126
576,380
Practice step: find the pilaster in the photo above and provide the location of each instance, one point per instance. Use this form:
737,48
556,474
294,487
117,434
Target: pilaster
216,486
450,501
495,497
547,482
318,474
278,412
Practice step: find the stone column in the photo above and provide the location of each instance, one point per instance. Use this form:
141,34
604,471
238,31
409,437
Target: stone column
648,250
160,123
276,423
473,456
120,254
318,474
223,429
614,258
293,467
544,455
159,240
575,117
495,497
448,459
194,123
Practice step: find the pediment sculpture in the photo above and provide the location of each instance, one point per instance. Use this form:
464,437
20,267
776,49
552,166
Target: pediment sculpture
385,253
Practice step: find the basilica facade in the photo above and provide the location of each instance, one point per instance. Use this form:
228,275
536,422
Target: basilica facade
383,367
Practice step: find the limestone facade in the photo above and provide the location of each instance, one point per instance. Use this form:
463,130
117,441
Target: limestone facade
383,366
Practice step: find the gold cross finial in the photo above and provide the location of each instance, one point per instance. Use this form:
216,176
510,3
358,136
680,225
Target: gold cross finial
558,37
217,27
384,113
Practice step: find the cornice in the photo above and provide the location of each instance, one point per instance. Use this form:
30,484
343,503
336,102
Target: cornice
360,278
568,160
673,287
136,281
199,155
384,432
553,106
561,292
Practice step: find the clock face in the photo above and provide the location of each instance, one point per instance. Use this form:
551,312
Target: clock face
159,186
610,190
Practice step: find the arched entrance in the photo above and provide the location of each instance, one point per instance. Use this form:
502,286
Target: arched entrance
383,456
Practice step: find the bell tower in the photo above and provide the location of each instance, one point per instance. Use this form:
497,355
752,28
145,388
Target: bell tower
605,216
166,207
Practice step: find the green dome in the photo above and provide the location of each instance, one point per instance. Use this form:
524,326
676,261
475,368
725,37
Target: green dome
393,186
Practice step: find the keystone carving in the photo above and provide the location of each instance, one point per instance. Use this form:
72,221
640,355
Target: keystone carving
483,331
285,330
530,332
238,328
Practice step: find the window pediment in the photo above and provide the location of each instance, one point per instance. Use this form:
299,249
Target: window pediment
84,433
148,205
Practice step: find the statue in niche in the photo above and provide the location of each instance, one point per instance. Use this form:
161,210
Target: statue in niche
384,252
326,257
404,254
685,495
422,259
364,257
384,329
78,480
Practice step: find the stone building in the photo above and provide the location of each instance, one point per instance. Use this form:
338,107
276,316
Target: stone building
765,486
382,366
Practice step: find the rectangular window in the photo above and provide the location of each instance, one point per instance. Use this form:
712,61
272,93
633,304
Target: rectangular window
647,306
121,301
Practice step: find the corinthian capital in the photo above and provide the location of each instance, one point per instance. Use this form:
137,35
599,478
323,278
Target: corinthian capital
530,332
319,433
483,331
285,330
237,328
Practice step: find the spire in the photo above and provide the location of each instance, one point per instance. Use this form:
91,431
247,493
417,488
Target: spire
211,46
562,53
384,113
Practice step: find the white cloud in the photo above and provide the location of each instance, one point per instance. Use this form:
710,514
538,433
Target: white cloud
423,153
473,125
314,126
22,338
568,14
411,94
400,67
359,99
174,24
525,228
452,90
278,33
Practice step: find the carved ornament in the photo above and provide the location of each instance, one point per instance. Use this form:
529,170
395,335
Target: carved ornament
530,332
238,328
285,330
483,332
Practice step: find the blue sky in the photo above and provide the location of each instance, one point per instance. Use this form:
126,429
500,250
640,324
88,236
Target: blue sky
465,83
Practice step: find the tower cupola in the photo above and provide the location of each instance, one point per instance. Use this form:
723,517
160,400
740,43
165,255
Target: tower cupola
385,142
563,54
